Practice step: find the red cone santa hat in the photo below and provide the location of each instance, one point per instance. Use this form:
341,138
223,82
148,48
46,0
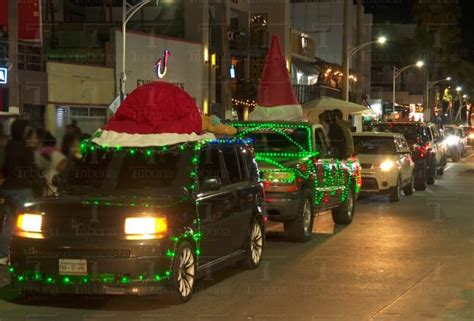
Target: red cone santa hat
156,114
276,99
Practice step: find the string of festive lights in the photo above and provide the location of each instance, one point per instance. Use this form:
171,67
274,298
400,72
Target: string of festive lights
244,103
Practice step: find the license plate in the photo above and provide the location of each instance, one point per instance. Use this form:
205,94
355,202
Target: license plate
114,291
72,267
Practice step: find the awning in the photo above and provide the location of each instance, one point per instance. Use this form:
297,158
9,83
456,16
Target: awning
314,108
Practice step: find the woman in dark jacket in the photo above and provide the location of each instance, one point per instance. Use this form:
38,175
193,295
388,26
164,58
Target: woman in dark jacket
20,174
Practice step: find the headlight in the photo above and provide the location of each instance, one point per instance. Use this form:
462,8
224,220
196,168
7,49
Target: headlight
279,177
29,222
471,136
452,140
146,227
387,165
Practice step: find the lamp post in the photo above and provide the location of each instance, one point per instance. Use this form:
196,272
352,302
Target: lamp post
430,85
461,102
128,11
381,40
397,72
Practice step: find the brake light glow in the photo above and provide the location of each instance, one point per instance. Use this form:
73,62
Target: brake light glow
421,150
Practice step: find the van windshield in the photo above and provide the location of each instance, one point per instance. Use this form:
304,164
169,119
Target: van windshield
138,173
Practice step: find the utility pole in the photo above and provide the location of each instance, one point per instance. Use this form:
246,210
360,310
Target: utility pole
359,40
226,92
13,83
345,50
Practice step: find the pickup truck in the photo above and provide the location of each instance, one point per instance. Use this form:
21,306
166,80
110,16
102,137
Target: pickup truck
301,176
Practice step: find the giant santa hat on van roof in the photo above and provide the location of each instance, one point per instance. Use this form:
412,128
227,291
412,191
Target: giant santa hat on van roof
156,114
276,99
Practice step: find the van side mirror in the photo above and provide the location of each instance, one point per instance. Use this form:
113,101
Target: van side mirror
211,184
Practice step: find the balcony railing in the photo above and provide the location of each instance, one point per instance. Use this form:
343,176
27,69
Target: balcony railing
305,93
30,56
89,56
247,90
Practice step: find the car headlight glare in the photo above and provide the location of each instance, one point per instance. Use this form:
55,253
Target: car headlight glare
387,165
29,222
471,136
146,225
452,140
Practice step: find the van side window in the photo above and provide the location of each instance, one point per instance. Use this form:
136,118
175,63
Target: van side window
231,159
249,156
244,168
210,165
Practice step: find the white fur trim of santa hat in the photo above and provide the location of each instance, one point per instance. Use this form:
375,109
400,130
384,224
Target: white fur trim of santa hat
281,113
114,139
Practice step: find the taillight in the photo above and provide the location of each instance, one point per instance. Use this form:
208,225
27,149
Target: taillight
420,150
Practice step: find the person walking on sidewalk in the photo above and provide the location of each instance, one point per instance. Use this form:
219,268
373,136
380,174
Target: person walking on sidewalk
20,174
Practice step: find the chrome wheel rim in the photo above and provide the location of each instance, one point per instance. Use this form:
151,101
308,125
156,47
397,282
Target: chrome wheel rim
186,269
350,204
256,243
306,216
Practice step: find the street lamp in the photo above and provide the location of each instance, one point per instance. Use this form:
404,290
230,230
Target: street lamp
397,72
380,40
128,11
459,88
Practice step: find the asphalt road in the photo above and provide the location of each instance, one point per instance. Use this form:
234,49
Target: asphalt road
412,260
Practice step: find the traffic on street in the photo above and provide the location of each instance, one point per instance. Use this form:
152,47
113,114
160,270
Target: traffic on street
410,260
279,160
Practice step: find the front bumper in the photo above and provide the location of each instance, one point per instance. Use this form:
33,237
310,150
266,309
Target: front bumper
374,181
282,206
113,266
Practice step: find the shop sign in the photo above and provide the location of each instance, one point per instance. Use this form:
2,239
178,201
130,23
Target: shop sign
3,76
162,65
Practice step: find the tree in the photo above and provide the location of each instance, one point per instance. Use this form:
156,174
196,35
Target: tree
439,40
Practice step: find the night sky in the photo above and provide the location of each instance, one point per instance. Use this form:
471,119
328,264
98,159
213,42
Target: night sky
399,11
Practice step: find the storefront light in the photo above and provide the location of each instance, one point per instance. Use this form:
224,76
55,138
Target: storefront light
205,107
213,60
206,55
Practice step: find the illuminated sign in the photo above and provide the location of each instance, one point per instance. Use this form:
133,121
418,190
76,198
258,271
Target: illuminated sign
3,76
162,65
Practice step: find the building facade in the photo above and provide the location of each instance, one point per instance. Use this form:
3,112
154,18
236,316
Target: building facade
322,20
78,92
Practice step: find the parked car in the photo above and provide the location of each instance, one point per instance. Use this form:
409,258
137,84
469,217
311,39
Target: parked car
455,141
426,144
301,175
387,164
132,220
